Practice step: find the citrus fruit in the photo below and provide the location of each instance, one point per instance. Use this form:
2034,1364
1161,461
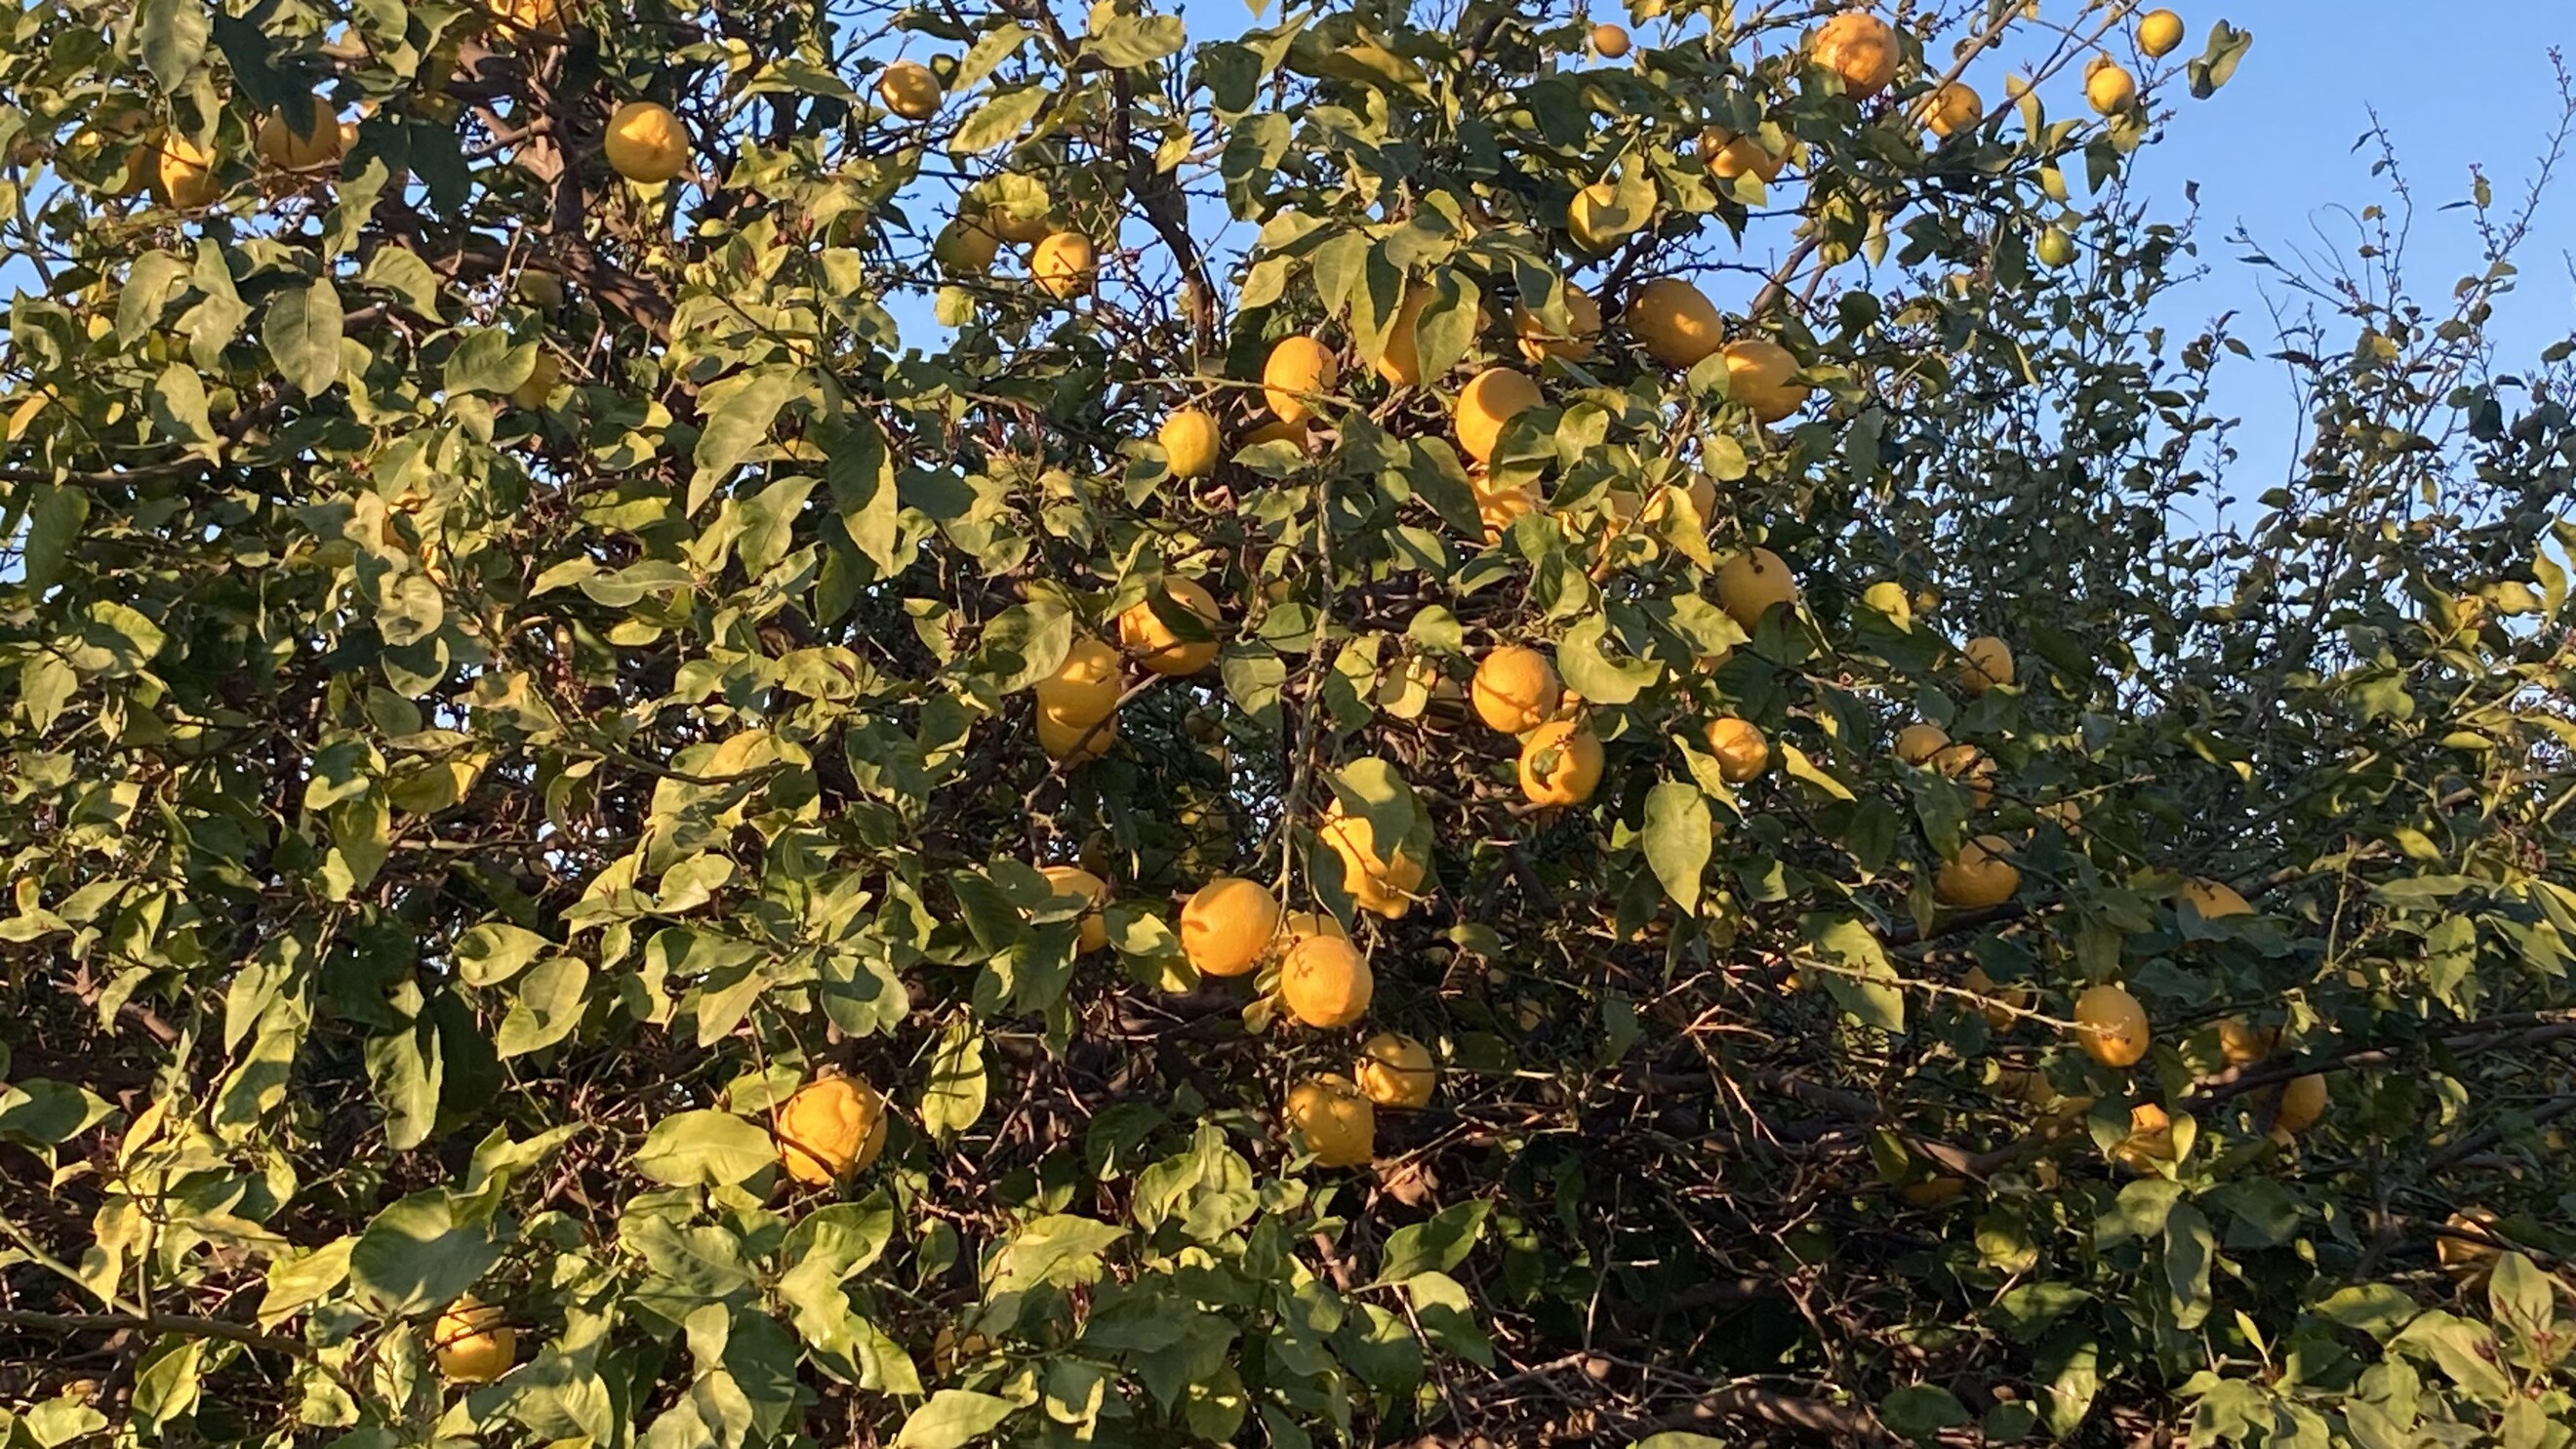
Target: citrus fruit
1675,321
1751,582
1191,443
832,1127
1073,880
1762,375
1396,1071
1860,48
1298,371
1978,876
1491,399
1065,264
2159,31
1918,742
1084,688
1560,764
1158,645
1325,981
472,1343
2111,1026
1336,1123
1583,320
1741,751
646,143
1984,663
1226,927
910,90
1381,884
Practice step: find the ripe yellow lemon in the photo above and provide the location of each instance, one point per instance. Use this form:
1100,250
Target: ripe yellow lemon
1336,1122
1384,884
1728,154
1594,218
1084,688
910,90
1326,982
1986,662
1401,362
1538,343
2111,1026
1860,48
1191,443
1741,751
1762,375
2159,31
1226,927
646,142
2242,1044
1609,41
966,244
1750,583
2298,1103
1073,880
279,144
1491,399
1515,689
1676,321
1971,767
2054,247
1076,743
2110,88
185,174
1065,264
1498,509
1954,108
540,384
1157,645
1978,877
1298,371
472,1343
2213,899
2469,1260
1560,764
1396,1071
1918,742
832,1127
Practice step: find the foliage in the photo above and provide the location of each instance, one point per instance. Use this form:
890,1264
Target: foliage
514,670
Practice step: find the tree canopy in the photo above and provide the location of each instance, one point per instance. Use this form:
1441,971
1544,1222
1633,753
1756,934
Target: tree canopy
766,725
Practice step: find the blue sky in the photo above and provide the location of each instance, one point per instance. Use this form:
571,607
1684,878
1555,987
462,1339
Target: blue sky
2465,83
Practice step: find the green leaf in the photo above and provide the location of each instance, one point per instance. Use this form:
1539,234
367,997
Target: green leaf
2378,1309
416,1256
951,1419
2191,1249
495,951
704,1148
1921,1411
488,361
1059,1250
2519,1297
999,120
955,1096
2466,1351
1854,969
303,335
549,1006
737,425
1435,1246
54,523
1679,835
297,1283
1592,673
1129,41
42,1113
176,401
171,36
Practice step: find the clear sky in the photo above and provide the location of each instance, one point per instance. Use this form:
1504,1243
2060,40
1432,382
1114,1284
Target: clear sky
2465,83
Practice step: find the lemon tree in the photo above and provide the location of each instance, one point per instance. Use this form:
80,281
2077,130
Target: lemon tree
764,725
